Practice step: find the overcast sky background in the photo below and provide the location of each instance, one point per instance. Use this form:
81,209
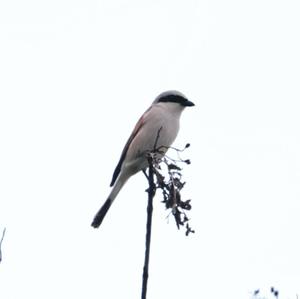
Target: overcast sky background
74,78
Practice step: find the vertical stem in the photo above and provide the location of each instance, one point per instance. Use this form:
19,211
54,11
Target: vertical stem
151,192
3,233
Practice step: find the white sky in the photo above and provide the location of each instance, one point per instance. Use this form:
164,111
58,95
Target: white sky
74,78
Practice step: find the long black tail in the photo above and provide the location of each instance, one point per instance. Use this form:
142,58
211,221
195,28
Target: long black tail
101,213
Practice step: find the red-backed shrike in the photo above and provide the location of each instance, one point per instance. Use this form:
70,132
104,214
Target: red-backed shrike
157,127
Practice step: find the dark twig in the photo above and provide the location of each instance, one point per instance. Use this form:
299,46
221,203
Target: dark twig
3,234
156,140
151,193
171,193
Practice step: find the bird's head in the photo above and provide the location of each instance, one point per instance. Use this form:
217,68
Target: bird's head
173,96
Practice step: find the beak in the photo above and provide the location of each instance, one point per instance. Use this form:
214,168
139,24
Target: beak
188,103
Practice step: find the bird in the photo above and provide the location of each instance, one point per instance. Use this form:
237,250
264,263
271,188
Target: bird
157,127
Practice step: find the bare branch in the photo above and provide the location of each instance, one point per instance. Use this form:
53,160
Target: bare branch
156,140
151,193
3,234
171,188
